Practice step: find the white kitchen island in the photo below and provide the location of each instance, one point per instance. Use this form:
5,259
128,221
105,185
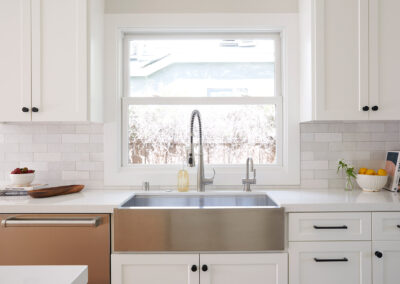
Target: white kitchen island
44,274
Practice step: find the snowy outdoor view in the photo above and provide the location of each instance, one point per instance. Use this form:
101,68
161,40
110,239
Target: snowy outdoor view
187,69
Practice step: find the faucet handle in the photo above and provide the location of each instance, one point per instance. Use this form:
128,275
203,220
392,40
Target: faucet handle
211,179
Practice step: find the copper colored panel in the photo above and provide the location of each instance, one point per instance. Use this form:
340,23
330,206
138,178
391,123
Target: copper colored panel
58,245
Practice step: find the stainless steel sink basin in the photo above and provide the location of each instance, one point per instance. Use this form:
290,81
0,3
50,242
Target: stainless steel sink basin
199,201
198,222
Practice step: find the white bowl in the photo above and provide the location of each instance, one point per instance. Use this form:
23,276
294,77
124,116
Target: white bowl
371,183
22,179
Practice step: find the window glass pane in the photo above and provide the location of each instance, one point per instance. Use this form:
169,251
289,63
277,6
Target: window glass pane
202,68
159,134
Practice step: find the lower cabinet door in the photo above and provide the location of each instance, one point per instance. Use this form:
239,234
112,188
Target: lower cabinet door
155,269
330,262
386,262
263,268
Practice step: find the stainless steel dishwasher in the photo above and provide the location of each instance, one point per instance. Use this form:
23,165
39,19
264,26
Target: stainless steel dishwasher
57,239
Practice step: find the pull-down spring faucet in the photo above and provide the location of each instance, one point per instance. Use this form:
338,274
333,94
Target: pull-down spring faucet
202,181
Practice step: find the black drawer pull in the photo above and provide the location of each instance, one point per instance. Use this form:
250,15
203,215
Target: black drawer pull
204,268
398,226
344,259
344,227
365,108
194,268
378,254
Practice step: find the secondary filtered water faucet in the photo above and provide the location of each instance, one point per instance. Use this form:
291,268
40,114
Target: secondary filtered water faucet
249,181
202,181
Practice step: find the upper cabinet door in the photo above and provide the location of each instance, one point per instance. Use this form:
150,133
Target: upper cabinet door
15,60
341,59
384,59
266,268
59,60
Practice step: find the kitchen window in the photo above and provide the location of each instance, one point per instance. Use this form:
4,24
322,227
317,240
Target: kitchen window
232,79
244,81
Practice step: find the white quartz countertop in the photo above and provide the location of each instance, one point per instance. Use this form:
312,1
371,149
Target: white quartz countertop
335,200
44,274
293,200
86,201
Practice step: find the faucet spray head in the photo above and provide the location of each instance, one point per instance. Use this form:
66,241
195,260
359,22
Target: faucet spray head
190,157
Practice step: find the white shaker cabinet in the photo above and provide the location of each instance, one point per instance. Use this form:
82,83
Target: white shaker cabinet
334,59
384,45
155,268
330,262
349,59
244,268
55,69
15,60
385,262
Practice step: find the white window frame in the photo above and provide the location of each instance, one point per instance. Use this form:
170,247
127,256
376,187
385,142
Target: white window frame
287,169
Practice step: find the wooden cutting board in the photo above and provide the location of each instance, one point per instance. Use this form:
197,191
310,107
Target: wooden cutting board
54,191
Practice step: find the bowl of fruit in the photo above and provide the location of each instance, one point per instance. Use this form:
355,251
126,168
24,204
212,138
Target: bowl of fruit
22,176
370,180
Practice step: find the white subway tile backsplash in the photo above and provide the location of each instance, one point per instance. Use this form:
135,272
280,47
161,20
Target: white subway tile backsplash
61,148
96,138
307,137
61,153
61,129
75,175
47,157
328,137
349,137
314,165
39,148
9,148
364,144
47,138
89,166
75,157
27,157
307,156
75,138
18,138
64,153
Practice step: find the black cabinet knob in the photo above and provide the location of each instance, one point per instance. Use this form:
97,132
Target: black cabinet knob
25,109
35,109
194,268
378,254
375,108
366,108
204,268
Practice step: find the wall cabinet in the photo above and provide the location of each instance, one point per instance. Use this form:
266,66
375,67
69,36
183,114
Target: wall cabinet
263,268
51,60
349,56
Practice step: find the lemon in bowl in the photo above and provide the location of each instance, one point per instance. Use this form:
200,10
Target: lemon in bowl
370,180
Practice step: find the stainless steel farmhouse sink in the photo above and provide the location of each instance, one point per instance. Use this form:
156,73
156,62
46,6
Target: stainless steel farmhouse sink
198,222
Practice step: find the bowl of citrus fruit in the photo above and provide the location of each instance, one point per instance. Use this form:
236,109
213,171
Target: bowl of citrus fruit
371,180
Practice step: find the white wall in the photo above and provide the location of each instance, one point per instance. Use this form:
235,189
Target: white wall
201,6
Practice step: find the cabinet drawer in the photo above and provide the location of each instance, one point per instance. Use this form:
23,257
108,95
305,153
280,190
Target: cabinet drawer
330,262
329,226
386,226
